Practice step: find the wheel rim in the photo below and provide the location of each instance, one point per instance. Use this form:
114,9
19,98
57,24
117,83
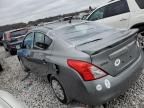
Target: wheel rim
141,39
58,89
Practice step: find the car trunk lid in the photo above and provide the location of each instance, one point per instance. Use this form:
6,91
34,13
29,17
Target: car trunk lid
114,53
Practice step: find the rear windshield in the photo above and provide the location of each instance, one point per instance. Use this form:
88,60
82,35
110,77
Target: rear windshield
82,33
19,33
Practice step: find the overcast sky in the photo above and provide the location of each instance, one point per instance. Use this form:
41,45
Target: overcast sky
13,11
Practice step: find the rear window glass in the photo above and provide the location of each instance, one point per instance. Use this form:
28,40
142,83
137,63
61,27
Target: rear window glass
81,33
116,8
19,33
140,3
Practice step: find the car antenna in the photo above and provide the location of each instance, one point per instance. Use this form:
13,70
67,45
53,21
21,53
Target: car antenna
70,19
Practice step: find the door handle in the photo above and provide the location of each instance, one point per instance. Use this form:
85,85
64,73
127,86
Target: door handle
123,19
28,56
44,61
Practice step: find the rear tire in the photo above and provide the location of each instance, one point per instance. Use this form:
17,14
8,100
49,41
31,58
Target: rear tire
58,90
6,50
141,39
141,36
13,52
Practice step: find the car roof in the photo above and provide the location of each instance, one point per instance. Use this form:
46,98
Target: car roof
51,26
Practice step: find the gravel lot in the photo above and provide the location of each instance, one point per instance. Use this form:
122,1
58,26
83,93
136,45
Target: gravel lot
37,93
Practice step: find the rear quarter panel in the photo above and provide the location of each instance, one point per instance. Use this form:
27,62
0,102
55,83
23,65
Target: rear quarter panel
63,51
68,77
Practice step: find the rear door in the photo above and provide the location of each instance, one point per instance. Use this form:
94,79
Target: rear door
115,14
26,52
38,59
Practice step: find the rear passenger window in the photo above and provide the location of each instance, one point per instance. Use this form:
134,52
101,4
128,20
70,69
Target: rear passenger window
140,3
39,37
42,38
110,10
48,41
116,8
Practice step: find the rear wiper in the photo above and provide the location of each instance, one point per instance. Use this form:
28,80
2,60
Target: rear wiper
90,41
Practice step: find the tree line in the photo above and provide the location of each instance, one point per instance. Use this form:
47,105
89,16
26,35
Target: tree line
36,22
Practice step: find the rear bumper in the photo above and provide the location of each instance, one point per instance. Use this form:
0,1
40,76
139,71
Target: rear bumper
102,90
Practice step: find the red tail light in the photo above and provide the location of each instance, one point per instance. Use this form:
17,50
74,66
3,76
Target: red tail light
86,70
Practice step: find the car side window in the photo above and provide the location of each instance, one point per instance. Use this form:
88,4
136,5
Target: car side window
28,41
48,41
98,14
39,37
140,3
110,10
116,8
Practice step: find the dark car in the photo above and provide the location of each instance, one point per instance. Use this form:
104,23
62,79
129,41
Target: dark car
12,39
1,37
83,61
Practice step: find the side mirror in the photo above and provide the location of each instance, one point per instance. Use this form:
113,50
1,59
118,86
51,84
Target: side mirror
42,45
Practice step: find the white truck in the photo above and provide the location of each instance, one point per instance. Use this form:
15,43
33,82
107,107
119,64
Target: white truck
123,14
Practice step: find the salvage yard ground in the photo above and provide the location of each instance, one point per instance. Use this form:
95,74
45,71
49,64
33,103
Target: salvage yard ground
37,93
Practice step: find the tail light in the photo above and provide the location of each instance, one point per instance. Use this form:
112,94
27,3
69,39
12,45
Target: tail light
86,70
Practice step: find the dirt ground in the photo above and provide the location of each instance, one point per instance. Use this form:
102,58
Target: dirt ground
36,92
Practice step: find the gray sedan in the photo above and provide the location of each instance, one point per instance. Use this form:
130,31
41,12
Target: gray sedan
83,61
